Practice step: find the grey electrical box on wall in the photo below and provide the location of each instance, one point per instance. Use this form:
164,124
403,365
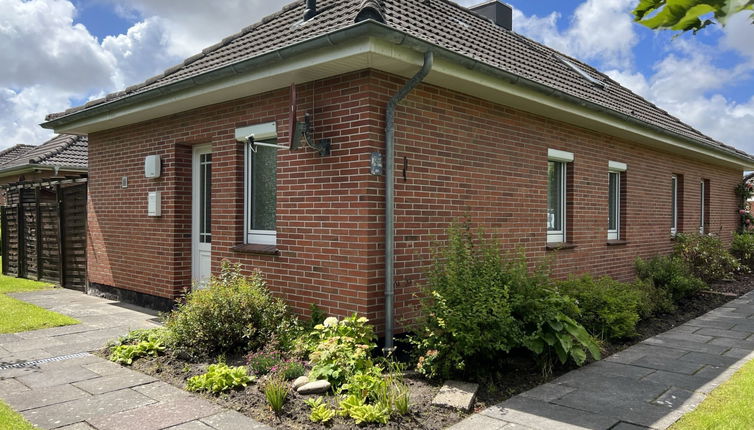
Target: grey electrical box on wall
152,166
154,203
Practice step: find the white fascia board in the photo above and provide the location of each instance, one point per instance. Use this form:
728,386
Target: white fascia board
318,64
264,131
559,156
617,166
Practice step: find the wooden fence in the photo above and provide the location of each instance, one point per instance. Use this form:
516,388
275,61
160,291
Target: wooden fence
44,232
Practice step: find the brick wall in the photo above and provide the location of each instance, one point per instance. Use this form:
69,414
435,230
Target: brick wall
464,157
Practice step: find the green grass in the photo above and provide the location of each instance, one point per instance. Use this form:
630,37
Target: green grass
17,316
728,407
11,419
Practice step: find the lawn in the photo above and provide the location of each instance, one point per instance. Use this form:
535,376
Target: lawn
728,407
13,420
17,316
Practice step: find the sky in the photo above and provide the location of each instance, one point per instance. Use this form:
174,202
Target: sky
56,54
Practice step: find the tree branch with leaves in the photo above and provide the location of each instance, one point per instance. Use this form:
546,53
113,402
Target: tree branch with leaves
688,15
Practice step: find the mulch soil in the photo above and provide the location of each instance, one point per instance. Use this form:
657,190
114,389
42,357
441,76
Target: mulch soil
515,374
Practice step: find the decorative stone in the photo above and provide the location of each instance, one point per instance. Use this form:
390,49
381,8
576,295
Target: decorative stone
300,382
456,395
315,387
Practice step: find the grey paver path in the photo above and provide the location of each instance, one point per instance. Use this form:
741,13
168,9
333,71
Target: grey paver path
85,392
649,385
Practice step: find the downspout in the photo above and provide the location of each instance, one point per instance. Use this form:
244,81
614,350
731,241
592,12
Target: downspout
390,194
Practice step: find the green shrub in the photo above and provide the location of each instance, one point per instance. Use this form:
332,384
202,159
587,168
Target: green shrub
477,307
316,316
670,275
652,300
234,313
340,349
219,377
706,257
291,370
276,392
607,308
133,337
743,248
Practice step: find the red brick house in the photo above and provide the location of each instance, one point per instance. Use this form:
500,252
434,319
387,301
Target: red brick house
542,150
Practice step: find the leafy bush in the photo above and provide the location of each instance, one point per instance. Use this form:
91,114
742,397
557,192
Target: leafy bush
477,307
316,316
670,275
232,314
220,377
607,308
356,407
321,411
340,349
743,248
276,392
291,370
133,337
652,299
706,257
126,354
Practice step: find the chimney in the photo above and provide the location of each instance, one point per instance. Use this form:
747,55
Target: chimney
500,13
311,9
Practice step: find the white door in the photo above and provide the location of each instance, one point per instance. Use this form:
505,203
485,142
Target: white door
202,215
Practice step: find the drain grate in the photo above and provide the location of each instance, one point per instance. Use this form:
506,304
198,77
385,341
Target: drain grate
42,361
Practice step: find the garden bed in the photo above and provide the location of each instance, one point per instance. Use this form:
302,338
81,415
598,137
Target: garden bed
520,373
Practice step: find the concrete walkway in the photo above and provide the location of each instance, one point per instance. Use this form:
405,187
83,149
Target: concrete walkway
649,385
50,378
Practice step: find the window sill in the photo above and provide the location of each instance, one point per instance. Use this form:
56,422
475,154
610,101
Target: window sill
555,246
617,242
253,248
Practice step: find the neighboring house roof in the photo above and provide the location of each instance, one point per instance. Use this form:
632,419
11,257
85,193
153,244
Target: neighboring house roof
439,22
14,152
64,151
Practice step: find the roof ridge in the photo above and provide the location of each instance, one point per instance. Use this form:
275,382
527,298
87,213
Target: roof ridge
371,9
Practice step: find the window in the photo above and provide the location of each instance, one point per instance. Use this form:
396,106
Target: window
615,171
556,195
703,206
674,205
260,184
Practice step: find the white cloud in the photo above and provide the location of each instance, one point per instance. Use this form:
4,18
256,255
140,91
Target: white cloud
23,110
193,25
738,35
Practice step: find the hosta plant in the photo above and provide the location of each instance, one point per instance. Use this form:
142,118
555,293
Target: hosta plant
220,377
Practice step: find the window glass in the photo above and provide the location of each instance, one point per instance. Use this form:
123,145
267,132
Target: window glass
555,197
701,208
613,202
674,205
263,188
205,198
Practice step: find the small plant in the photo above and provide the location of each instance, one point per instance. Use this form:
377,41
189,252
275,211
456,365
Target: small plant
706,257
366,384
742,248
401,396
317,316
321,411
370,413
276,392
126,354
291,370
567,338
262,362
219,378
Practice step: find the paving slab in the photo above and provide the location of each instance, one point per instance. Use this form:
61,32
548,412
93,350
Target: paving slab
685,345
191,425
157,416
477,422
42,397
456,395
80,410
704,358
50,378
548,392
77,426
677,366
232,420
106,384
716,332
543,415
11,386
161,391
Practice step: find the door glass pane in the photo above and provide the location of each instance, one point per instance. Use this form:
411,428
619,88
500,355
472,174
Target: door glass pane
555,197
205,198
614,184
264,188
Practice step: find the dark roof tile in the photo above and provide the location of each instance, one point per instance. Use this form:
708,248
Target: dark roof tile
63,150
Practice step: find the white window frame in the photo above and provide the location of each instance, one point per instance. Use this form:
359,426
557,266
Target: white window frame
615,168
562,157
702,215
674,205
261,132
